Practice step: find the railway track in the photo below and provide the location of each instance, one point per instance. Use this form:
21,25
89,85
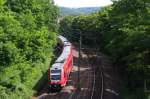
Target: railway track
93,87
98,78
85,77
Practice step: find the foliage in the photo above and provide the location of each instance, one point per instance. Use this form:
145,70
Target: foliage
121,31
65,26
27,36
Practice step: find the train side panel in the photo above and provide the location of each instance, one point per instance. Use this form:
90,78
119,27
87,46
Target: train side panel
67,67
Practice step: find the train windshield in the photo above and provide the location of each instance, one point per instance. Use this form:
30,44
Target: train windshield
55,71
55,77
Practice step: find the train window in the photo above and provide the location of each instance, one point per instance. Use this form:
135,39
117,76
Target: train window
55,71
55,77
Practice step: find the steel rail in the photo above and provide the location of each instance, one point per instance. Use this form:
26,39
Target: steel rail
102,90
93,88
102,78
93,70
94,79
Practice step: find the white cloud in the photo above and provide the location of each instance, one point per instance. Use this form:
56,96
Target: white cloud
82,3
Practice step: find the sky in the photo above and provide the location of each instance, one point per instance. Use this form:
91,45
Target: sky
82,3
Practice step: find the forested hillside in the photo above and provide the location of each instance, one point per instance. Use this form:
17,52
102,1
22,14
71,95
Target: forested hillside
28,31
27,35
77,11
122,32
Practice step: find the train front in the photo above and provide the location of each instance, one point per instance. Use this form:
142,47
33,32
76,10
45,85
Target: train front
54,77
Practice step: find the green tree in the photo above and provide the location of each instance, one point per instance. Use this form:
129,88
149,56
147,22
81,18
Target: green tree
27,36
122,32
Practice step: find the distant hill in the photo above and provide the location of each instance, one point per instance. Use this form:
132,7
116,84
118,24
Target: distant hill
77,11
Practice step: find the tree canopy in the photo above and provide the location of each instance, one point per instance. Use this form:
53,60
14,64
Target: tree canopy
27,36
121,30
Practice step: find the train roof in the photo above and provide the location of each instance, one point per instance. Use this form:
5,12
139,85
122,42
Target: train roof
63,39
66,50
64,54
57,66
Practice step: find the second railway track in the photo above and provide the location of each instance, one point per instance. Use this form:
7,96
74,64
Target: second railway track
97,89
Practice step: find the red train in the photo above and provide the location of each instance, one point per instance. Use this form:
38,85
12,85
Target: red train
59,72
